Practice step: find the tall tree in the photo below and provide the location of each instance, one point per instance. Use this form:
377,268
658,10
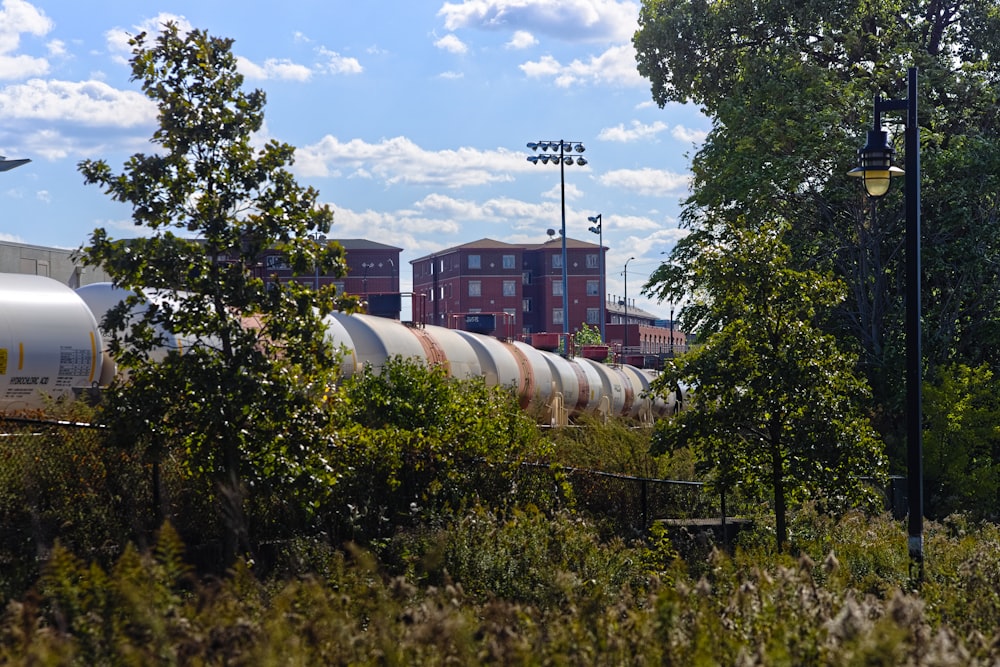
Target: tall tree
240,402
776,402
789,88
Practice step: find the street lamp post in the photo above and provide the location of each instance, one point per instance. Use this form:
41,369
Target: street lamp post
321,239
7,165
364,279
876,171
562,160
625,336
598,229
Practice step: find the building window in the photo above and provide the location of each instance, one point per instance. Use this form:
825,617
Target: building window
557,288
592,262
508,262
509,288
593,316
511,316
557,316
526,277
475,262
556,261
593,287
475,288
526,305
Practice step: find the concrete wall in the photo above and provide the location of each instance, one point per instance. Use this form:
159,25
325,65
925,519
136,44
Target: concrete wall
55,263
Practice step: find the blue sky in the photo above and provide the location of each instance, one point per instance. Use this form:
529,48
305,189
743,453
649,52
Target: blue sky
410,117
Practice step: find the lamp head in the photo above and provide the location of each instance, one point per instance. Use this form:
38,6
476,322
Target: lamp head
876,164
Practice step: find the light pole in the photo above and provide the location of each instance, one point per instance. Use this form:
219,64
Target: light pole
321,239
562,160
598,229
7,165
625,337
877,171
364,279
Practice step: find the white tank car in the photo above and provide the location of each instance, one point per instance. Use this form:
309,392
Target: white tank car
50,345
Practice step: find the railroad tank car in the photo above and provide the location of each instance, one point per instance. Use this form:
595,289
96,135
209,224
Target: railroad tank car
50,345
59,349
562,386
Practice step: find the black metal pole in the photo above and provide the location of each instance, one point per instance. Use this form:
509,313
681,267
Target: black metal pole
565,269
914,392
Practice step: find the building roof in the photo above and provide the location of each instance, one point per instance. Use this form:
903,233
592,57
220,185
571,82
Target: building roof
481,244
556,242
492,244
612,306
364,244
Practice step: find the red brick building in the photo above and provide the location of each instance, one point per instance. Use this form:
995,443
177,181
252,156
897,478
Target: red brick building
372,273
521,285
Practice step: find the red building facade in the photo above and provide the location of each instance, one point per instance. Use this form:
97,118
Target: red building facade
521,285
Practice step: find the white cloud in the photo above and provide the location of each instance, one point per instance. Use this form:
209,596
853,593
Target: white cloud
117,38
451,75
18,17
273,68
56,47
451,44
334,63
571,20
635,132
86,102
688,135
647,182
522,39
573,192
20,67
400,161
614,66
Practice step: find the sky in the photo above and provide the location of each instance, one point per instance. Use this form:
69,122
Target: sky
410,117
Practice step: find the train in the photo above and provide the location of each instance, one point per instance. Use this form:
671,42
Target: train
51,347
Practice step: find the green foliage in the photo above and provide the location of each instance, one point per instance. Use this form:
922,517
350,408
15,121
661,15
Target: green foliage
962,441
789,88
411,440
238,401
777,405
530,558
523,588
610,446
61,482
587,335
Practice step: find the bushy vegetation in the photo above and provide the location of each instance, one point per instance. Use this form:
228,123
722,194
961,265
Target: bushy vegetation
454,557
524,588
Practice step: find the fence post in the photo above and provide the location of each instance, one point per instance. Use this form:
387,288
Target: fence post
722,498
645,505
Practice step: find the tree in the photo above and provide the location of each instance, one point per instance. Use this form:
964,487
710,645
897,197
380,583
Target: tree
416,441
962,443
789,88
241,404
776,403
